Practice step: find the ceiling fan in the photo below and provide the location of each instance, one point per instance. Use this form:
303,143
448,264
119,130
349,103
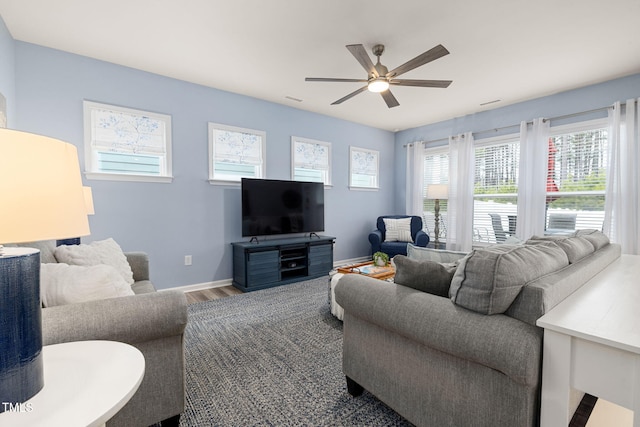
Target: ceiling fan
380,78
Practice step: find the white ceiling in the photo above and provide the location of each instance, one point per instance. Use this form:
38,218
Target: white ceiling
507,50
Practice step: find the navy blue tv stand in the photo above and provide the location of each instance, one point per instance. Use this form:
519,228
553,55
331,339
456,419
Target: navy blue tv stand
269,263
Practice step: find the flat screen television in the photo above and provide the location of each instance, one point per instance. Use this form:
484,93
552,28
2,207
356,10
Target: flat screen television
271,207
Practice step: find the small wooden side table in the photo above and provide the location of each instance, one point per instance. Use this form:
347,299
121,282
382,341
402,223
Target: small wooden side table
369,269
85,384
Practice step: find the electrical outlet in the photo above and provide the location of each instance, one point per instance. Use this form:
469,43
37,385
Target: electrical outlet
187,260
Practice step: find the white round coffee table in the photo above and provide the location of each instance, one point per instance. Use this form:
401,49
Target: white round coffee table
85,384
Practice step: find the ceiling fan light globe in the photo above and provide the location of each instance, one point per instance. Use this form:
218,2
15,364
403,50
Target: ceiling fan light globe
378,85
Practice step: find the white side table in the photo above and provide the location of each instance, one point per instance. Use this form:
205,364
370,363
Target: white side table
592,343
85,384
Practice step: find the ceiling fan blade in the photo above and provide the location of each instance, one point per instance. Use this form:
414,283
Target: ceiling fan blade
421,83
428,56
359,52
389,99
351,95
322,79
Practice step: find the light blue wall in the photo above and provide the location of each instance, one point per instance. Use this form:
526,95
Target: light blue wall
190,216
570,102
7,70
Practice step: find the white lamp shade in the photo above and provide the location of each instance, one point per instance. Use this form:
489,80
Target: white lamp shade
88,200
40,188
438,191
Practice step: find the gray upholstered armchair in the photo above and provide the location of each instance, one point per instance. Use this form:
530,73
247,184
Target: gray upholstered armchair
154,322
381,243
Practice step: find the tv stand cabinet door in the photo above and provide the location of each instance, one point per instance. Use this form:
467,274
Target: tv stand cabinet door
320,258
261,268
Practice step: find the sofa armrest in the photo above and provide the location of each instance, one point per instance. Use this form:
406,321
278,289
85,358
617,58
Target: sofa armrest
131,319
499,342
139,262
422,239
375,238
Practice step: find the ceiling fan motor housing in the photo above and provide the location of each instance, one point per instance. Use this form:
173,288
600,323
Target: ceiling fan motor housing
378,50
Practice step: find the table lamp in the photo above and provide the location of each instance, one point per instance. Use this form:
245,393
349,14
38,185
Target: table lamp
88,200
437,192
42,199
88,203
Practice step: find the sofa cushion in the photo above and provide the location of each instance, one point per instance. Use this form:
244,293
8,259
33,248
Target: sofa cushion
397,229
143,287
393,248
542,294
426,276
427,254
597,238
576,248
99,252
62,284
488,280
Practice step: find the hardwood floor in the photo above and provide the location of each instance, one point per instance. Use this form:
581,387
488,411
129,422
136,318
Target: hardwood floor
211,294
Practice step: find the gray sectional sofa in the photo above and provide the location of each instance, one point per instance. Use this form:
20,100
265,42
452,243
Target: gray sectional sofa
151,321
474,356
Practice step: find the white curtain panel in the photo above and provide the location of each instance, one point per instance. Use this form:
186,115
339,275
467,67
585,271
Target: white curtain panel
415,179
622,204
460,204
532,180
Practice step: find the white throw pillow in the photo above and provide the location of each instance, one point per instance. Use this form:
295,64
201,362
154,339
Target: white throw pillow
397,230
62,284
100,252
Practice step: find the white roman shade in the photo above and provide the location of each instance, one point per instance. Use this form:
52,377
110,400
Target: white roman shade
311,155
237,147
127,133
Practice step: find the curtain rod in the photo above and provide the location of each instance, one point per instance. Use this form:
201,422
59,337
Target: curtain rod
566,116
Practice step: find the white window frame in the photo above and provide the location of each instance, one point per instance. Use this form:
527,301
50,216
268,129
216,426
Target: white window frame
226,180
444,179
577,127
427,214
485,235
376,155
92,154
297,163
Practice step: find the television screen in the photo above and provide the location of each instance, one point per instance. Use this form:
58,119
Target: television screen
281,207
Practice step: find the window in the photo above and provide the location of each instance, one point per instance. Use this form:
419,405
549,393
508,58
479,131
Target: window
576,177
235,153
311,160
363,168
576,181
495,191
126,144
436,171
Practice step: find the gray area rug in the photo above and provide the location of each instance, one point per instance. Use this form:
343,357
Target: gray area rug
272,358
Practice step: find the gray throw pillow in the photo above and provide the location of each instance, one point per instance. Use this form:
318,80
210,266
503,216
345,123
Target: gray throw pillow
426,276
489,279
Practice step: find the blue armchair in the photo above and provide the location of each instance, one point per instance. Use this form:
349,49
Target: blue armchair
392,248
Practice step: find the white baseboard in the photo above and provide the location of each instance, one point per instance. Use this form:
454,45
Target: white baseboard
227,282
201,286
